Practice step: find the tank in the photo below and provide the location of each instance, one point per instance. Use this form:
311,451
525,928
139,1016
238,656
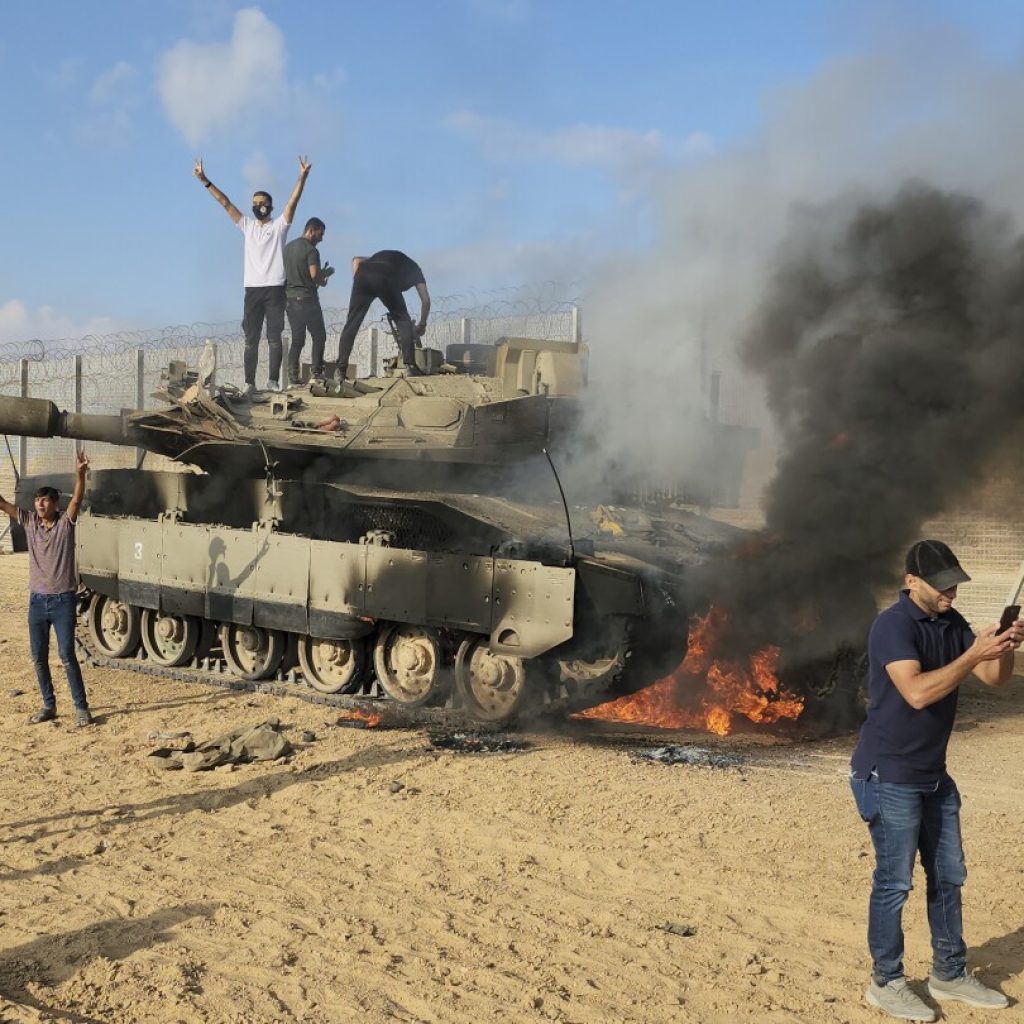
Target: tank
398,538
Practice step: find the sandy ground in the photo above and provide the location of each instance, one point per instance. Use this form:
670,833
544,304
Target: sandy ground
500,887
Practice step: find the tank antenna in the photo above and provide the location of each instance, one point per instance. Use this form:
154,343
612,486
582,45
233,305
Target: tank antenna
269,467
565,504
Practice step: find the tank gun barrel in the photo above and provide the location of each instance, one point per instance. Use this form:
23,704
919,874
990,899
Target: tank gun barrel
39,417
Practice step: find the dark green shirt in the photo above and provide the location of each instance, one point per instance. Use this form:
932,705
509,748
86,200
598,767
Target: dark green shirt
299,256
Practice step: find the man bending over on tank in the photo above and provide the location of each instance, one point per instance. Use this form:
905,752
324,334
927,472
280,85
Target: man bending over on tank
52,582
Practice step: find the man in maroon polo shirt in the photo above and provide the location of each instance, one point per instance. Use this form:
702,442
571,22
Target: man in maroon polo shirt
52,583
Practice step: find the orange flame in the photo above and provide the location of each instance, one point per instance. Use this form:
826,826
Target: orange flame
747,686
371,718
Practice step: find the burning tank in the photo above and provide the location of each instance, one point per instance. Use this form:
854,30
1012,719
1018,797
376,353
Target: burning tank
398,536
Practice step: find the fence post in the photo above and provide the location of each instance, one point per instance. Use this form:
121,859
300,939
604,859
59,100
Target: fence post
23,441
465,331
374,350
78,397
577,326
140,397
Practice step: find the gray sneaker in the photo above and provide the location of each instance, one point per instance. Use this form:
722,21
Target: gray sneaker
967,989
898,999
273,385
249,390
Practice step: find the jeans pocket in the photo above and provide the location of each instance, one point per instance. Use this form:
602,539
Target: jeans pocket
866,798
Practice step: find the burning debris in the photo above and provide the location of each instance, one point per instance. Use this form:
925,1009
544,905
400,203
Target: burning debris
476,743
356,719
700,757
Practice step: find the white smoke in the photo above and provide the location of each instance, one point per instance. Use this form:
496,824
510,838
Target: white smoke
926,105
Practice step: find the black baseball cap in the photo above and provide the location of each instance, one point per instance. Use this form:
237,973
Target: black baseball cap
933,562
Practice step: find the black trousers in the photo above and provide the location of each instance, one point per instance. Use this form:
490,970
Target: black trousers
263,303
367,286
303,315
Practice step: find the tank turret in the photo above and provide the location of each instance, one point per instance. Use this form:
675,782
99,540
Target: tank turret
525,396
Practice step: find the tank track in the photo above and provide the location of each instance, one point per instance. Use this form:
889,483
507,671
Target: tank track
554,699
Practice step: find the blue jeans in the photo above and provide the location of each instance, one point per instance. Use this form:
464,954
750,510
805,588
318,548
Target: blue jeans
906,819
57,610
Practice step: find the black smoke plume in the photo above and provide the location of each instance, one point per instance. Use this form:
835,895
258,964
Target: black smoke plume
890,340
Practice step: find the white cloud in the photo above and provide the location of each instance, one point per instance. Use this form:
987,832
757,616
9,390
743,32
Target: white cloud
65,76
328,81
209,86
20,324
215,88
112,99
257,172
492,262
110,85
620,151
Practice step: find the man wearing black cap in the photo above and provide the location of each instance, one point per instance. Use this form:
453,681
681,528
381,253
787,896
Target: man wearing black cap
919,651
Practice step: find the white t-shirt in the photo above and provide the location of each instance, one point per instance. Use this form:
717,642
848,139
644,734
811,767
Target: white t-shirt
264,251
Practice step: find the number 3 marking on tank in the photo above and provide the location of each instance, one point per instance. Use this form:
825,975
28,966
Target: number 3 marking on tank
138,551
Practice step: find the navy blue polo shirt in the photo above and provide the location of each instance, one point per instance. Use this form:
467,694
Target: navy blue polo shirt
901,743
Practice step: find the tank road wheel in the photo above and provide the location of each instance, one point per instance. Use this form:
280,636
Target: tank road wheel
333,666
410,665
600,665
169,640
492,686
113,626
251,653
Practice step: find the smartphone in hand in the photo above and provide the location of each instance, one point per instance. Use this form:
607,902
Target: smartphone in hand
1010,614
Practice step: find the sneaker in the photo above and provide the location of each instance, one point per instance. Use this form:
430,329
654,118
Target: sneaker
249,390
273,385
44,714
967,989
83,717
898,999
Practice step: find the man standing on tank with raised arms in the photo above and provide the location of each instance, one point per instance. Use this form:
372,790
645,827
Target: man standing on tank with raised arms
52,582
264,276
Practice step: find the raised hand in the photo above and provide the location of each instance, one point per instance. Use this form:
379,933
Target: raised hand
304,166
198,171
989,645
81,463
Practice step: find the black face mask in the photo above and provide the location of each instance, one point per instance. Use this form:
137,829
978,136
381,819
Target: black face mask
261,210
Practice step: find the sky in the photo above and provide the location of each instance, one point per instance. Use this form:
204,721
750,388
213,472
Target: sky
501,143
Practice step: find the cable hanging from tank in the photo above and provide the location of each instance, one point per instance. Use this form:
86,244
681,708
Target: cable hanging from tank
565,504
14,464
